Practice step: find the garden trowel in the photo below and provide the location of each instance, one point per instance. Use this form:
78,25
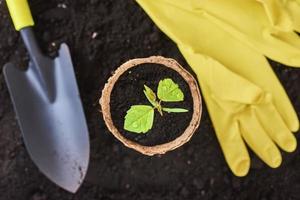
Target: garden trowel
48,107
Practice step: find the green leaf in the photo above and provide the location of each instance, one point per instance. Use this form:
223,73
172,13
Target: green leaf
175,110
169,91
139,119
150,95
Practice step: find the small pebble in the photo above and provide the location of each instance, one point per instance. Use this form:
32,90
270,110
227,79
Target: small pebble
211,181
62,5
94,35
203,192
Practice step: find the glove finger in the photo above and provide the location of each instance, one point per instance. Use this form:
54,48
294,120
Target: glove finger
228,135
234,149
277,130
258,140
283,104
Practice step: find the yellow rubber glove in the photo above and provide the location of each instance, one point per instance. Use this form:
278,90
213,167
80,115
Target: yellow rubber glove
277,14
283,13
247,21
293,7
245,100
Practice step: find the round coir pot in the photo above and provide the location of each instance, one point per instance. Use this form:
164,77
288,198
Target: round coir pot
125,88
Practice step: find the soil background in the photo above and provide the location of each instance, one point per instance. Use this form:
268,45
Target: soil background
102,34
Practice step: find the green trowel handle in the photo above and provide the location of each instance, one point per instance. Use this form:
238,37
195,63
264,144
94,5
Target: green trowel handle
20,13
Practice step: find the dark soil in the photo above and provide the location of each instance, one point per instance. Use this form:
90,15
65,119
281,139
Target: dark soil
102,34
128,91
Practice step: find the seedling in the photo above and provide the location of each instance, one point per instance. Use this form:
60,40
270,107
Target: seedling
139,118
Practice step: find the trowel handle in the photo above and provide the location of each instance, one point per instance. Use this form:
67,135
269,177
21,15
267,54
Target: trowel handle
20,13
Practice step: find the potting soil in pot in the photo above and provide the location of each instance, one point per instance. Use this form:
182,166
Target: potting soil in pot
128,91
